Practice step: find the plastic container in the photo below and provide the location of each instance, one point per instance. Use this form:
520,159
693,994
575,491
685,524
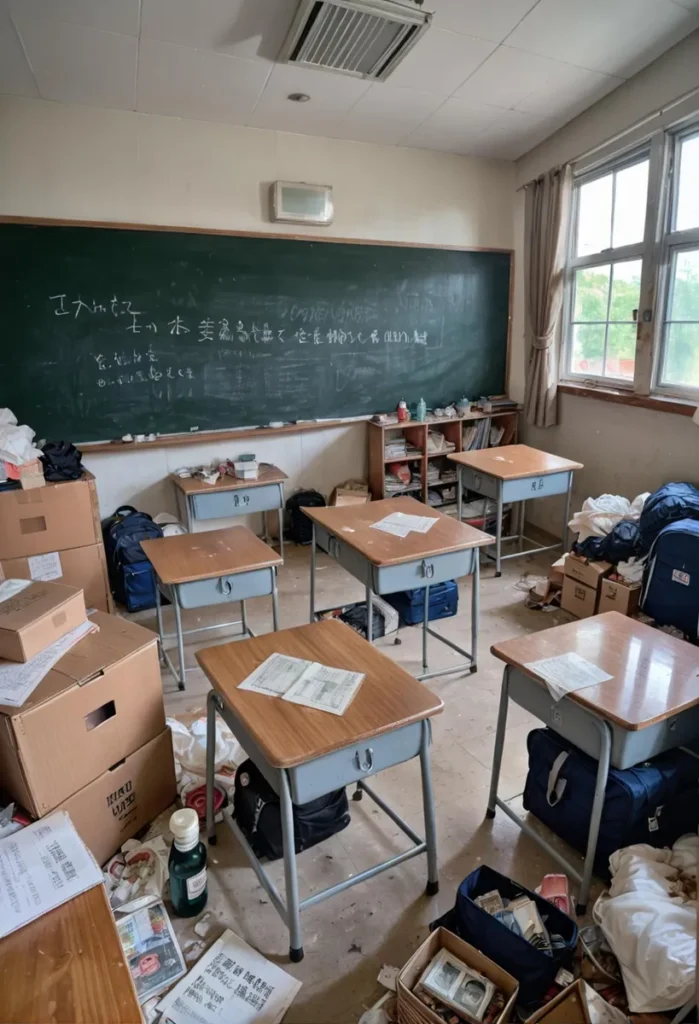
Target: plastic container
187,865
402,411
421,411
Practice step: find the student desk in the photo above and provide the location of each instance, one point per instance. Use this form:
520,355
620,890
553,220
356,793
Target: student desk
304,753
650,704
514,472
386,563
68,967
202,569
229,496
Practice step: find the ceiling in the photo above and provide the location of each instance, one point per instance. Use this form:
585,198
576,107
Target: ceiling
489,78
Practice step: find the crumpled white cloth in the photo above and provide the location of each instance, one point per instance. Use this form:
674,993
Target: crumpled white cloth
651,924
599,516
15,441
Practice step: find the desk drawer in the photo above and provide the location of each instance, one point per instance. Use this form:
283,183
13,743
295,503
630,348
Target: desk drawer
222,589
536,486
222,504
343,767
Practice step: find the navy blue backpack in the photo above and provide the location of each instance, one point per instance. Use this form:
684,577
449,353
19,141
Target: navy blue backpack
670,592
131,575
668,504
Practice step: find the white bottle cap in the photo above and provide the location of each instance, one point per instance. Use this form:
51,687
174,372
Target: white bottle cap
184,826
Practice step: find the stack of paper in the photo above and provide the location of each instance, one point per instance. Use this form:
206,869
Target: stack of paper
304,682
400,525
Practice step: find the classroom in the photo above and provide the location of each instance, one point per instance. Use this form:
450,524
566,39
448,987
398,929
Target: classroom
349,511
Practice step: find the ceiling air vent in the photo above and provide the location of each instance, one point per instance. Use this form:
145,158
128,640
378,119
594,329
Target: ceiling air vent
364,38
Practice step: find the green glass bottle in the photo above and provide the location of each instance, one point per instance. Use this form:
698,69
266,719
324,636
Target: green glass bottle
187,864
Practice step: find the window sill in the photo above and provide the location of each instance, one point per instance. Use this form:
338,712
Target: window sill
672,405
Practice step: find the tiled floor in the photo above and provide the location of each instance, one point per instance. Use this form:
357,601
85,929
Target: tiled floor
347,938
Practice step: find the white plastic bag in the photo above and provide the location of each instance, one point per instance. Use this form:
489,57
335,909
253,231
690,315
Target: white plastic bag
599,516
189,746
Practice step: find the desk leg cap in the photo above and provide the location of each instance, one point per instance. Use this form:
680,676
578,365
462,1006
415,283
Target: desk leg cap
580,909
357,795
180,686
473,668
490,814
432,888
497,574
213,840
296,955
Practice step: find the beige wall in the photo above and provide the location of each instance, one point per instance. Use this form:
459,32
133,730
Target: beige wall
79,162
625,450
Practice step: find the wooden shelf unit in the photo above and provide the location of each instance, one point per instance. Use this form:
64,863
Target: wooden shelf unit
416,434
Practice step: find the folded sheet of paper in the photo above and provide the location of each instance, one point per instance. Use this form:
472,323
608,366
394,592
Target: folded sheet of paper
567,673
9,588
41,867
231,982
18,680
400,524
305,682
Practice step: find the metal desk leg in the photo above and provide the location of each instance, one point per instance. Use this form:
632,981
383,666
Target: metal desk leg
459,494
475,608
243,617
211,708
369,607
596,815
498,530
499,744
180,638
566,520
425,621
275,600
281,531
313,573
159,616
432,887
290,880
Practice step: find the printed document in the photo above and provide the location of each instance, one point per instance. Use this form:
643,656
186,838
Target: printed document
41,867
400,524
567,673
18,680
304,682
275,675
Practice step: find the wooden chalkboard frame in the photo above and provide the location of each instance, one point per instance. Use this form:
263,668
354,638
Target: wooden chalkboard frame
212,436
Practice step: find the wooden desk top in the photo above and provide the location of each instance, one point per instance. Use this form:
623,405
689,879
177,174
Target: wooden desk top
513,462
654,676
290,734
68,967
200,556
267,475
352,524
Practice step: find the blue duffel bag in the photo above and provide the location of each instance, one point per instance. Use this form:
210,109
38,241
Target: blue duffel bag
534,969
670,592
410,604
655,802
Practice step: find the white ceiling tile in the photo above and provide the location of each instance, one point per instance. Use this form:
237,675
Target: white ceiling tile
110,15
618,37
332,96
74,64
15,74
181,82
454,126
238,27
386,114
486,19
441,61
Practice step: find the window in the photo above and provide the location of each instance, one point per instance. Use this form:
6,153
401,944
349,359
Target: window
632,275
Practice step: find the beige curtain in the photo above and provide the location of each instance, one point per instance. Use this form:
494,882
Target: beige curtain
545,228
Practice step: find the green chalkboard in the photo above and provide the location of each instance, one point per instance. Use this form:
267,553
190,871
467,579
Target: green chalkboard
109,330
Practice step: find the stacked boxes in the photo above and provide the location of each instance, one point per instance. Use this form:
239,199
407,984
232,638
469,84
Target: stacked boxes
581,585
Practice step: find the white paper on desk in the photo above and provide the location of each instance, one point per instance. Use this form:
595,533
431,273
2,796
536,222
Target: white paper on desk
387,527
325,688
41,867
275,675
567,673
18,680
417,524
231,983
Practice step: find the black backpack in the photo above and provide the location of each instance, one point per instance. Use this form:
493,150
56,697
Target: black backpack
131,575
256,810
301,526
61,461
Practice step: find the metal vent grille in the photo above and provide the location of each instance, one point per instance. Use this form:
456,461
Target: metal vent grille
364,38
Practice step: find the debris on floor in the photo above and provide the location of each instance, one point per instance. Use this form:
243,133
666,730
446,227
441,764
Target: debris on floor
151,949
136,877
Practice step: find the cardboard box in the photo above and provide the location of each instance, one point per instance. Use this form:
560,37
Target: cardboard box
578,599
349,496
557,571
102,701
38,616
586,572
85,568
116,805
568,1007
617,596
50,518
30,474
443,939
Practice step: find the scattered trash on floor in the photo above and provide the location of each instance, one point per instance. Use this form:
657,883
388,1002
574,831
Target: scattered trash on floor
189,746
151,950
136,877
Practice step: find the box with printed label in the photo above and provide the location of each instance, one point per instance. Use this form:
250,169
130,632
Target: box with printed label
36,615
99,703
618,596
51,518
578,599
116,805
85,568
584,571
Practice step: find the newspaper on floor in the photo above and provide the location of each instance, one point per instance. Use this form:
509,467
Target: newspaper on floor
231,982
567,673
151,950
18,680
41,867
305,682
400,525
